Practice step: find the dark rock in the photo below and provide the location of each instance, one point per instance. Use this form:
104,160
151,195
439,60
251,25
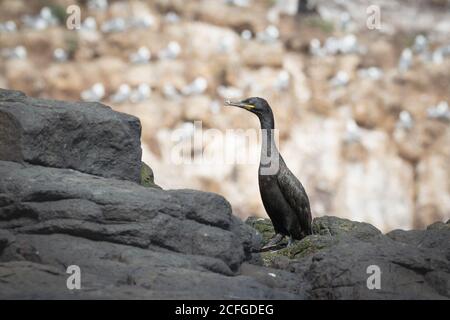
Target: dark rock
6,238
279,279
250,237
118,271
333,262
88,137
28,280
204,207
66,201
129,241
336,227
11,95
437,239
340,272
439,225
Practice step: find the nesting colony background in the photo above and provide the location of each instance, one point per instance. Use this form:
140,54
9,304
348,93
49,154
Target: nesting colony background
363,114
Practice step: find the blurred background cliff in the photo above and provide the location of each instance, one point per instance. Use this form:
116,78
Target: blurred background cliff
363,113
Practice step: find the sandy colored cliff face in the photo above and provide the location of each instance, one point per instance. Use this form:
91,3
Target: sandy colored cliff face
353,125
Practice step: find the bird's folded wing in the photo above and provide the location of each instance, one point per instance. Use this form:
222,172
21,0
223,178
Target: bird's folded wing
295,195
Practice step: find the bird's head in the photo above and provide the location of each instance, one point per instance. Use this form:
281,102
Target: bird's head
256,105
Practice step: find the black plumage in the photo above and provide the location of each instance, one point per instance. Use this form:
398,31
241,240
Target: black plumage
282,194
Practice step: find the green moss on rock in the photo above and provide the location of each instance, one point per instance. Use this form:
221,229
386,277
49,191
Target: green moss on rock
334,226
147,177
263,226
298,250
327,231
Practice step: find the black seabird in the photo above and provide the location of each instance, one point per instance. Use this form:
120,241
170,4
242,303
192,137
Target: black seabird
283,196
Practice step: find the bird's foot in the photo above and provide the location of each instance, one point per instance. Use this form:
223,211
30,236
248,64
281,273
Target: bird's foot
273,242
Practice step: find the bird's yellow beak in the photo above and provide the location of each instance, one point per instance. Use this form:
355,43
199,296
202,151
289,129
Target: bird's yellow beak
239,104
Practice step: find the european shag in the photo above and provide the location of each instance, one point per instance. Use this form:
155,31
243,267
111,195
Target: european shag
283,196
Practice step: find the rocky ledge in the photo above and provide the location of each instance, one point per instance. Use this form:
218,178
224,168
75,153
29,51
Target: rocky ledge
73,192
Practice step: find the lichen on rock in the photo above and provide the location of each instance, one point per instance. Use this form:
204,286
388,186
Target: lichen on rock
325,229
147,177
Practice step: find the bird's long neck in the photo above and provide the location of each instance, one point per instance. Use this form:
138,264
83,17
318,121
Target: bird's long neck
270,156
